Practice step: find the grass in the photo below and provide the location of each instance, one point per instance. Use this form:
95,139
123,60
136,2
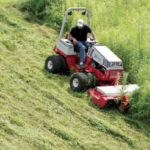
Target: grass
39,110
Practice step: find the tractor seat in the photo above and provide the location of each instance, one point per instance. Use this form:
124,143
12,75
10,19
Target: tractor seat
77,50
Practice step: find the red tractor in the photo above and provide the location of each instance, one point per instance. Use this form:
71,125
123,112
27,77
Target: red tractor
103,68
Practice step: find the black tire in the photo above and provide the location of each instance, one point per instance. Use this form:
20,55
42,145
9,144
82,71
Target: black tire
53,64
123,110
92,80
78,81
64,63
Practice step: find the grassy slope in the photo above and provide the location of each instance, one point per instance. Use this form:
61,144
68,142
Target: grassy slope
39,110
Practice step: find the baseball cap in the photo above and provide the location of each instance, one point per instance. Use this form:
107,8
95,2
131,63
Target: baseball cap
80,23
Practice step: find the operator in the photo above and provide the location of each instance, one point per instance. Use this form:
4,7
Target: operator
78,35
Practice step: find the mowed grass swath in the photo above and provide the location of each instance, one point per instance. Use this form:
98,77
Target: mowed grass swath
39,110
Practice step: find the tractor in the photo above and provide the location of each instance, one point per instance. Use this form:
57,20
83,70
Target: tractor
102,71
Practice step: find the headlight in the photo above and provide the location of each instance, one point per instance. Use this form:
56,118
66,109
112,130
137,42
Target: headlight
120,63
111,64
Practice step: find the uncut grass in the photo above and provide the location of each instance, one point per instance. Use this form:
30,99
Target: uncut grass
39,110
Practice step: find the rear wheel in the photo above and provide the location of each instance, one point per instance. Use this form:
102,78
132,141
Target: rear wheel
78,81
53,64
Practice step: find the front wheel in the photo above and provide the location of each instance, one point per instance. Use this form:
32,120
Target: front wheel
78,81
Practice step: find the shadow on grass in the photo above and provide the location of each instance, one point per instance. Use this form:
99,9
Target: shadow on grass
76,94
54,75
110,107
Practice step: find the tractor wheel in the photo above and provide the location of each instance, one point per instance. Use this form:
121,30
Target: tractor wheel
53,64
78,81
123,110
64,63
92,80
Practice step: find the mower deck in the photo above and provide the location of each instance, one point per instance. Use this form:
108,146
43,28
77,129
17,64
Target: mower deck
102,94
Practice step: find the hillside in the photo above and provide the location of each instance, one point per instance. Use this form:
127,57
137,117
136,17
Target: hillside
38,110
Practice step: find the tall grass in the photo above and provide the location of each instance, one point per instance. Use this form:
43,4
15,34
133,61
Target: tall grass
43,12
140,103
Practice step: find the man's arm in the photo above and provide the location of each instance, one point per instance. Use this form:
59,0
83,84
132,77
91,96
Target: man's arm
72,38
94,36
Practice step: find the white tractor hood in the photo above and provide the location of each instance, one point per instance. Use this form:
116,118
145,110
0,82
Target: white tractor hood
104,56
107,53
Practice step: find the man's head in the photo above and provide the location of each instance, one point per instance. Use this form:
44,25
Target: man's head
80,23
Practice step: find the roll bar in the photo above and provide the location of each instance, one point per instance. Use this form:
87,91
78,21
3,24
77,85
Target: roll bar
66,14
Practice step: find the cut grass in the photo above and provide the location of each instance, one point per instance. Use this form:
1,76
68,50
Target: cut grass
39,110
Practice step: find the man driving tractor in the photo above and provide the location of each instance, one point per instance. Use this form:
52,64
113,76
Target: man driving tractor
78,35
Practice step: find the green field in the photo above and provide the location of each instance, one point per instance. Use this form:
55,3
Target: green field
38,110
